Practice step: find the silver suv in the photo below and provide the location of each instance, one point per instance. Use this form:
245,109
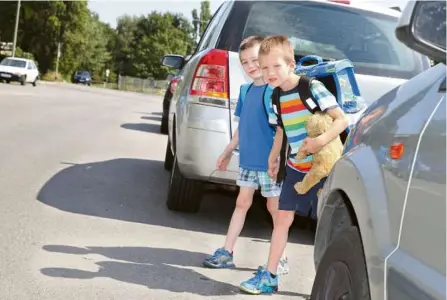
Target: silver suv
381,230
201,121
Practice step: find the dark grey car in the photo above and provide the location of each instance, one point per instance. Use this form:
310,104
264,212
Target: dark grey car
381,230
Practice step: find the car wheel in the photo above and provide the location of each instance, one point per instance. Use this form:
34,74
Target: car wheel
164,125
8,81
23,80
184,194
35,83
169,157
342,271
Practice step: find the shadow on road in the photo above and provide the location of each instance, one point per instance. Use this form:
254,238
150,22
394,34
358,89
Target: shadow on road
152,118
134,190
145,127
155,268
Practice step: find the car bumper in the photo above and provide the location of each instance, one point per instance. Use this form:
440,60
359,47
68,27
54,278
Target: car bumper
10,76
203,138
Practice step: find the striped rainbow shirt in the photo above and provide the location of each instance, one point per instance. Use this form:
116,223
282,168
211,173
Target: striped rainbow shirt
294,116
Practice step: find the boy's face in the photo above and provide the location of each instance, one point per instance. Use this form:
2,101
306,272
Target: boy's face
275,69
250,63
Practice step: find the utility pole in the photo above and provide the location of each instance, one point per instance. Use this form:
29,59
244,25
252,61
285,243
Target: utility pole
57,59
14,45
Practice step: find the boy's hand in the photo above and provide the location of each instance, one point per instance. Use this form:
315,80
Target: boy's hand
223,161
273,166
311,145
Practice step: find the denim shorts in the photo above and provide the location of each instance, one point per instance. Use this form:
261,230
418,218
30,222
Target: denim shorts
256,179
304,205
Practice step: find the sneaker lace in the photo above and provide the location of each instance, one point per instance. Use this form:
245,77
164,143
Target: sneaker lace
256,279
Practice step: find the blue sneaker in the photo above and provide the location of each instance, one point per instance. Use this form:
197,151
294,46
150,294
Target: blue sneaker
221,259
261,283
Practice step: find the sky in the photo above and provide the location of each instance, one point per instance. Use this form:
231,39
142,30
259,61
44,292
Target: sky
110,10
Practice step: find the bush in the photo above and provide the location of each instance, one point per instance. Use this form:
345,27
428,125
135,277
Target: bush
52,76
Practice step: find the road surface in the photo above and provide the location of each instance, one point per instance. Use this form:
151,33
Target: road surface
83,212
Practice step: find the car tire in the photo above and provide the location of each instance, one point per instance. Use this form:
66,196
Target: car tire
8,81
169,157
164,125
184,194
23,80
35,83
342,271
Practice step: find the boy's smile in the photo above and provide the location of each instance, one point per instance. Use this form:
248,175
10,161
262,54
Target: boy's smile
250,62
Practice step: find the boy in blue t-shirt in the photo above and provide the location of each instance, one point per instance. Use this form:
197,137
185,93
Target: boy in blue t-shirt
255,139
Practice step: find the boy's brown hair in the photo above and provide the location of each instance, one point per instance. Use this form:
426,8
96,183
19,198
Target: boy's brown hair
250,42
278,41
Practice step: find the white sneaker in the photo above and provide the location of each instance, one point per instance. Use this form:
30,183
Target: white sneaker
283,267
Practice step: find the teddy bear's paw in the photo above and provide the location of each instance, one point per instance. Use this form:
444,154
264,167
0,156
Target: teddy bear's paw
300,189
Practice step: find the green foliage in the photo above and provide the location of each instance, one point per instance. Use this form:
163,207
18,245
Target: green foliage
205,15
134,48
22,54
52,76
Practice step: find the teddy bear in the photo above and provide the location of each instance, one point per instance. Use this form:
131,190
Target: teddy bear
325,159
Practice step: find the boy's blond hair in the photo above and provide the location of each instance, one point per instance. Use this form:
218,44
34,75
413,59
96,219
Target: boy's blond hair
250,42
278,41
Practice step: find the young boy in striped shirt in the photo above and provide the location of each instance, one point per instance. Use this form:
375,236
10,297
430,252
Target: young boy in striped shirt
277,60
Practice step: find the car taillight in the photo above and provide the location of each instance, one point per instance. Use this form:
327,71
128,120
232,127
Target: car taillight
174,83
210,81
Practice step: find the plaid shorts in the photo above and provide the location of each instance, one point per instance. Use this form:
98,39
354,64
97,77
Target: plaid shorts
256,179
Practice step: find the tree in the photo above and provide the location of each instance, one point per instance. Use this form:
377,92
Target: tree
205,15
156,35
195,24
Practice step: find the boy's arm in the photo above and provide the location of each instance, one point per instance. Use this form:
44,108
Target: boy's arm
339,125
329,105
274,153
232,145
277,143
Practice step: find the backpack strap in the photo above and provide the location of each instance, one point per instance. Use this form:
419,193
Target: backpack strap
244,91
268,103
307,98
285,149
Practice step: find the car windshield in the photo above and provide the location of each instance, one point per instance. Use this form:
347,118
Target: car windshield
334,32
13,63
83,73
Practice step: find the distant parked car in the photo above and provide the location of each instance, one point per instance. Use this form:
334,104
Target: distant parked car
381,230
174,79
82,77
18,69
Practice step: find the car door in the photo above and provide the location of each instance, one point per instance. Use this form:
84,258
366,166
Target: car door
417,269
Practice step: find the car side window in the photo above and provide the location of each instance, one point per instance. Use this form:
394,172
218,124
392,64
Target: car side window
30,66
210,30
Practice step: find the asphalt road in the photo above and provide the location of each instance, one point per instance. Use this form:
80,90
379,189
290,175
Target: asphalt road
83,215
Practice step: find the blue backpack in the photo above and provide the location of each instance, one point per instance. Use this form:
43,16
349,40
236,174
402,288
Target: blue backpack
338,77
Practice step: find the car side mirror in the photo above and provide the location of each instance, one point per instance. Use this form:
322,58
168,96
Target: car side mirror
173,61
422,27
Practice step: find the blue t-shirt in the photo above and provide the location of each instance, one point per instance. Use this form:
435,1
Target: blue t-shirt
255,134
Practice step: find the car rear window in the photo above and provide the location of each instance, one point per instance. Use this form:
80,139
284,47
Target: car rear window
331,31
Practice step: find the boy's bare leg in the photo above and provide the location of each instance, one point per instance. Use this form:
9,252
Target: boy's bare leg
243,203
283,221
272,207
